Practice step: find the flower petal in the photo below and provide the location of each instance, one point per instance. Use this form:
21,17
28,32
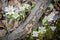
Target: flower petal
53,28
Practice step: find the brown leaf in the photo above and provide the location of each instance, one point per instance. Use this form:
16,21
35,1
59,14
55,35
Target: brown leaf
4,22
3,33
16,24
34,19
0,4
11,2
57,8
30,31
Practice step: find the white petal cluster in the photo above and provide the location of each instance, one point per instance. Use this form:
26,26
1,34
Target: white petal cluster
51,16
9,10
27,6
35,34
48,18
53,28
42,30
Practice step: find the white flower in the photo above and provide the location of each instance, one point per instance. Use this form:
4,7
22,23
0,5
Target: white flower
49,19
42,30
22,8
27,6
53,28
51,16
9,10
35,34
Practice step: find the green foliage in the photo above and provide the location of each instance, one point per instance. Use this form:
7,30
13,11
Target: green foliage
22,15
51,6
56,1
45,21
33,5
34,29
49,34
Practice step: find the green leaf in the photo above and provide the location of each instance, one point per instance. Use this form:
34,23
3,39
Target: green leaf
45,21
33,5
51,6
35,29
27,9
56,1
9,16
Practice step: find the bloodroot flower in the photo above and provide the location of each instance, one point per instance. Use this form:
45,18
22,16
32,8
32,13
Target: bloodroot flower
9,10
42,30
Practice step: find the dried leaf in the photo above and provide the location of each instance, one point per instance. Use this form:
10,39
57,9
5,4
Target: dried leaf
2,33
16,24
0,4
